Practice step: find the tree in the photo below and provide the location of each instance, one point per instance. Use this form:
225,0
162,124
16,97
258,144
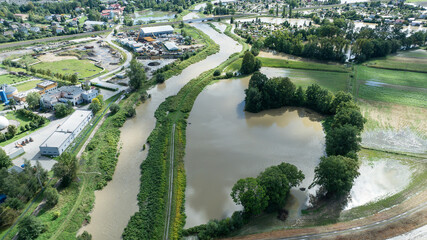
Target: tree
349,113
5,161
52,196
11,130
276,186
292,173
30,228
95,106
336,174
33,100
160,78
250,64
251,195
136,74
66,168
74,78
340,97
62,110
114,108
343,140
253,100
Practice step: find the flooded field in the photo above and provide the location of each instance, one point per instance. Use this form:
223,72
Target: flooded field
333,81
115,204
225,144
156,16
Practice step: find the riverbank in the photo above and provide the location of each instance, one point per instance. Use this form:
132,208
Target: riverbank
149,221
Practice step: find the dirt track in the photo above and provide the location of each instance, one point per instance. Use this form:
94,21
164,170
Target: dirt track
408,215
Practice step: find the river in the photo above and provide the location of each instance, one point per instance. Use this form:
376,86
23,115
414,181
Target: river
117,202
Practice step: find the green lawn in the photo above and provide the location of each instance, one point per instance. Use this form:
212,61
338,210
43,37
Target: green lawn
11,79
27,86
403,78
28,59
280,63
84,68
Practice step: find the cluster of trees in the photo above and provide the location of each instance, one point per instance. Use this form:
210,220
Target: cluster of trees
18,187
344,126
63,109
331,40
250,63
136,74
66,168
267,192
96,104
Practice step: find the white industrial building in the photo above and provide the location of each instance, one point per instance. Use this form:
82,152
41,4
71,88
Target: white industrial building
155,31
64,135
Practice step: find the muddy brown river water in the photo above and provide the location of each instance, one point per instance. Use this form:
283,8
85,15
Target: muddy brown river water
117,202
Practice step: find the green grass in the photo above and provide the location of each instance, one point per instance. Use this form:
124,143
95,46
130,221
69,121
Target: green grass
280,63
28,59
393,95
402,78
84,68
27,85
11,79
395,63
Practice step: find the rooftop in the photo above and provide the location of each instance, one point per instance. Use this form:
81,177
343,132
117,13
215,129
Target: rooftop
157,29
73,121
46,83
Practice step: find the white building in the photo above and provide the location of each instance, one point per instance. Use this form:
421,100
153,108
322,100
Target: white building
64,135
155,31
74,94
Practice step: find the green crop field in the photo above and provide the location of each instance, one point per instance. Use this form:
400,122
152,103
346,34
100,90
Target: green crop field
84,68
333,81
403,78
11,79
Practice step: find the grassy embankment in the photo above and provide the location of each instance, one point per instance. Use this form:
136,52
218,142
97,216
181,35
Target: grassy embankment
97,167
84,68
149,221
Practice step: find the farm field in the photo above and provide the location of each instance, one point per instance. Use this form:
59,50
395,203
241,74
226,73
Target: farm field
11,79
406,62
333,81
392,86
84,68
402,78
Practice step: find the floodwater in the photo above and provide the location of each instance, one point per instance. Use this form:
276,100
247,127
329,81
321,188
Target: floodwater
117,202
156,16
224,144
377,180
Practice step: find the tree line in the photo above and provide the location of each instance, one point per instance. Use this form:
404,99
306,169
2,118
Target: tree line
343,126
331,40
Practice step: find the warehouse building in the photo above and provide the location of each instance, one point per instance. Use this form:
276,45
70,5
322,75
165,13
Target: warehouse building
73,94
64,135
155,31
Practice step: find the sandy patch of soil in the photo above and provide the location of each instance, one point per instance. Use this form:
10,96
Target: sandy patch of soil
50,57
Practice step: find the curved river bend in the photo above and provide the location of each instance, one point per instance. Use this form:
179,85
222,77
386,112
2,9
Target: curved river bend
117,202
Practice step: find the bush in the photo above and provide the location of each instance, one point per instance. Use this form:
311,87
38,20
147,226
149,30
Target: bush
30,228
52,196
56,215
85,236
160,78
217,73
229,75
114,108
130,111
